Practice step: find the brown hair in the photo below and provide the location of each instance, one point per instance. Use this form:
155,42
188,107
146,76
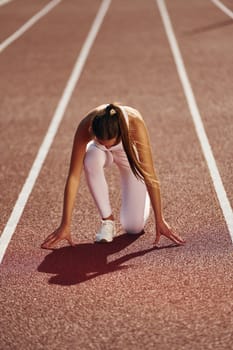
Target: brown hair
112,124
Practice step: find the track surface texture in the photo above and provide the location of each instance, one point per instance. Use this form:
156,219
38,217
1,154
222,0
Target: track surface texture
126,294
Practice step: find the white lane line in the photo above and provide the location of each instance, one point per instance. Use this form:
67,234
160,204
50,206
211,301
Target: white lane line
28,24
52,130
3,2
223,8
205,145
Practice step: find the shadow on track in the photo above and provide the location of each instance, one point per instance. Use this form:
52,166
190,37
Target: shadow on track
210,27
74,265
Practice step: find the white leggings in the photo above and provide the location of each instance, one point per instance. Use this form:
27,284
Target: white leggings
135,200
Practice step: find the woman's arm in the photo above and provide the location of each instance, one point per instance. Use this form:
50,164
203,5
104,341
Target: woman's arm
141,139
82,137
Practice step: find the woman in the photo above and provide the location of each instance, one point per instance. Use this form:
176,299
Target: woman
114,134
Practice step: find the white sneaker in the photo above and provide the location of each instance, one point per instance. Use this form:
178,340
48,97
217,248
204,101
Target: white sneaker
107,231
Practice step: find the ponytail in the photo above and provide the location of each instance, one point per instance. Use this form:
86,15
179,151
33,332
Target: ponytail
128,145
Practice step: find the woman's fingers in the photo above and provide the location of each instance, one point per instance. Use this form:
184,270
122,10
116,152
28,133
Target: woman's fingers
175,238
170,234
48,243
54,238
50,237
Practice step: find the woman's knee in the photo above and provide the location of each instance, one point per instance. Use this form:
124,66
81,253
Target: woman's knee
133,227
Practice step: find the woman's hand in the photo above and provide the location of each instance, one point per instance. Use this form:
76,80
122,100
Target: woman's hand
162,228
58,235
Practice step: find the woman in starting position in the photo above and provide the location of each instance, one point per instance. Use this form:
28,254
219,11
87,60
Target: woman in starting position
114,134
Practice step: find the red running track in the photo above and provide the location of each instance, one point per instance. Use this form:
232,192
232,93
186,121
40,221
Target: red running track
127,294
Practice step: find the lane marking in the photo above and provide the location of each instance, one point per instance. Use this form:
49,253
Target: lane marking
28,24
223,8
199,127
52,130
3,2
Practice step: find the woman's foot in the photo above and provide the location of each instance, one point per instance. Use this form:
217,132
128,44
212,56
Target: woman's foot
106,232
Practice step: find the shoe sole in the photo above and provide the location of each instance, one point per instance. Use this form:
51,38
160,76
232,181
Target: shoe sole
103,240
